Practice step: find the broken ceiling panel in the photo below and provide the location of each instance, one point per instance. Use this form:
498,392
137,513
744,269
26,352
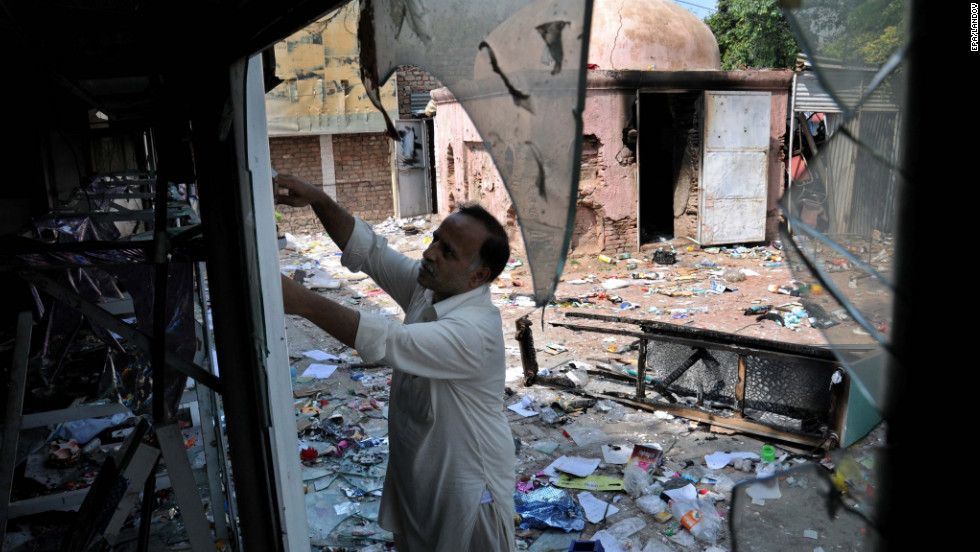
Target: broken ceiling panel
518,68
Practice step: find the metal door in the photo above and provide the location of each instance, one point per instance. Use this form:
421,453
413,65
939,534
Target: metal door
734,167
413,195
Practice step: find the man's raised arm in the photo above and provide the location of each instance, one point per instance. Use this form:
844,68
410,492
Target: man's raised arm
335,219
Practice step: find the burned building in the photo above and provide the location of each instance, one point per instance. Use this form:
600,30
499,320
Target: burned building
672,146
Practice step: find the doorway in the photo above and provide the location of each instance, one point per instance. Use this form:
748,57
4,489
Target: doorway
655,166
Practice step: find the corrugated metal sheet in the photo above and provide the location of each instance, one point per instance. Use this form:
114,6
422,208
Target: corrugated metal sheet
419,101
861,191
850,85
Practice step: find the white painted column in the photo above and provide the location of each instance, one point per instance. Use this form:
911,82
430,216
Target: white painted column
282,433
327,165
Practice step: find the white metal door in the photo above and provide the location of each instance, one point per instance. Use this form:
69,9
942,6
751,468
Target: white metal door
413,194
734,167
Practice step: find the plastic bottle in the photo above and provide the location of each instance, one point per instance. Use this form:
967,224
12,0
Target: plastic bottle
700,518
768,453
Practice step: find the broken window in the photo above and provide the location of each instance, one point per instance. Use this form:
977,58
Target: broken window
518,68
840,226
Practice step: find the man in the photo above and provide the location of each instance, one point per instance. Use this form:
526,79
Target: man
449,484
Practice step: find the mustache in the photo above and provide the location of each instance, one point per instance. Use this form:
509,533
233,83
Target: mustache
427,267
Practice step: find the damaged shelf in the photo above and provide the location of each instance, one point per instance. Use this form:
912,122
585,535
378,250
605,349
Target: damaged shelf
787,391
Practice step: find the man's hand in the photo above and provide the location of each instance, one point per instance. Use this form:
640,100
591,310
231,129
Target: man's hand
299,193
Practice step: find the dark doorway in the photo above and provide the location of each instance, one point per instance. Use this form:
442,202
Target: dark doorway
655,158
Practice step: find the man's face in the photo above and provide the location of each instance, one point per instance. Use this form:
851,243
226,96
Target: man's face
451,264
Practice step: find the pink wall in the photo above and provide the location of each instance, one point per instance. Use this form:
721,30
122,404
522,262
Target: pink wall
607,199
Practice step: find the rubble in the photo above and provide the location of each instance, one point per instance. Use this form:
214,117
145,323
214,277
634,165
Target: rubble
706,288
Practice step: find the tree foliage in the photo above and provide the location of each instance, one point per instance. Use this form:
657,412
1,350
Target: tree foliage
753,33
871,30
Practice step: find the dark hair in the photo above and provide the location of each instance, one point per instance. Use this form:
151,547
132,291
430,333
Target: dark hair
496,248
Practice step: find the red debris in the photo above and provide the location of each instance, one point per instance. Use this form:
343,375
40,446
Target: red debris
308,454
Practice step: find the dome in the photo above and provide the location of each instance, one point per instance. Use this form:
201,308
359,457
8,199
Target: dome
650,35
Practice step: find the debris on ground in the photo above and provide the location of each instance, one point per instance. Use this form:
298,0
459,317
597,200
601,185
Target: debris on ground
662,482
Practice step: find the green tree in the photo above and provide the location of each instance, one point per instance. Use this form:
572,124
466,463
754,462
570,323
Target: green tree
753,33
872,31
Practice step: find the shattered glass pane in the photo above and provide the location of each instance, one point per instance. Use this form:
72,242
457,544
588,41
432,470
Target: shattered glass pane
830,505
841,214
852,45
518,69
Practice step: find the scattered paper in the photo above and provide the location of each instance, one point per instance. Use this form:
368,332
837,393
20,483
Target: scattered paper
590,483
811,534
574,465
616,454
319,371
585,435
609,542
524,408
764,489
718,460
595,509
317,354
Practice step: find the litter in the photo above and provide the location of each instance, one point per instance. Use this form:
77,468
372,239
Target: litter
575,465
549,507
319,371
317,354
586,435
645,456
595,510
718,460
623,529
638,482
616,454
590,483
524,408
546,447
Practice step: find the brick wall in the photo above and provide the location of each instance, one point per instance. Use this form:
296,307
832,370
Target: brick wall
411,80
362,167
298,156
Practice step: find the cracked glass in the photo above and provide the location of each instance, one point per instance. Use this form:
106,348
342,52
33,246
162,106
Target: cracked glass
841,220
518,69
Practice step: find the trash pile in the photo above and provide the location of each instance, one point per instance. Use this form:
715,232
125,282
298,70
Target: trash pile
342,428
683,286
588,470
598,491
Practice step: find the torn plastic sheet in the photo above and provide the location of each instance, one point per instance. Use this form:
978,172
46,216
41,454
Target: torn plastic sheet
181,334
549,507
77,229
518,69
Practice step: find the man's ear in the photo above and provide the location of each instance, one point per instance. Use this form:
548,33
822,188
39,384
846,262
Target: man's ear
479,276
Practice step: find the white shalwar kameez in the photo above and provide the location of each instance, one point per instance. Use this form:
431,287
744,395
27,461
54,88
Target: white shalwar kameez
450,479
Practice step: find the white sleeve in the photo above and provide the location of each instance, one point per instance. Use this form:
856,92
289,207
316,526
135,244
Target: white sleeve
368,252
450,348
